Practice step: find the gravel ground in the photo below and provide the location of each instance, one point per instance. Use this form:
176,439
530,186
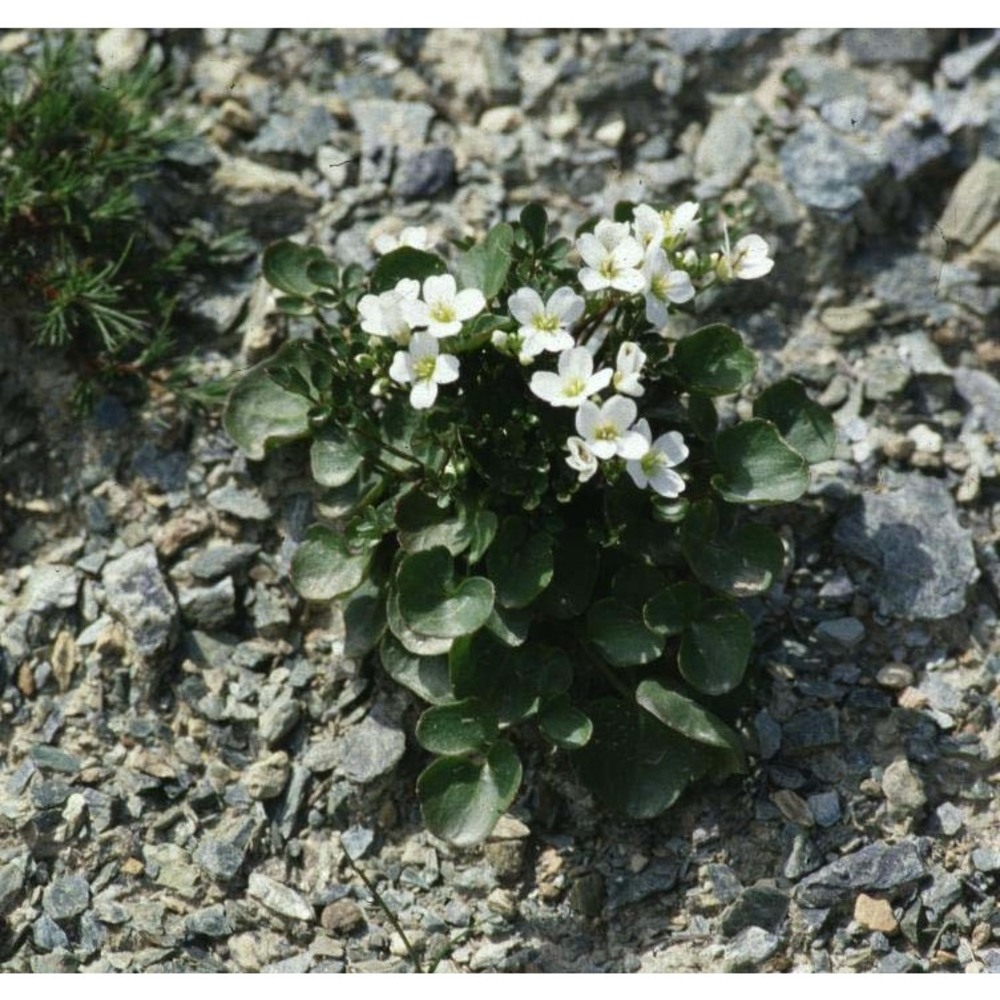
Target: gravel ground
190,756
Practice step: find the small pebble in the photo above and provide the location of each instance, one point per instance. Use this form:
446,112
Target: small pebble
875,914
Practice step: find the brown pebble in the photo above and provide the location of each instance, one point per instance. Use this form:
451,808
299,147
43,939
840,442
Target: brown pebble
875,914
343,916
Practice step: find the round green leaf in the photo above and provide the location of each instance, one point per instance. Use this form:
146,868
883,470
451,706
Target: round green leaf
520,564
323,567
713,361
668,611
634,763
636,583
461,800
565,726
460,727
621,635
504,678
430,600
423,525
415,642
406,262
687,717
575,565
286,267
426,676
739,564
715,648
259,414
535,219
364,619
757,466
804,424
334,457
510,626
485,266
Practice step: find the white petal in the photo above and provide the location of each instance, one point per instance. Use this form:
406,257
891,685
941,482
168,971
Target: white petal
611,234
415,312
635,470
524,305
629,281
591,250
565,304
423,394
620,411
468,302
446,369
599,380
642,427
603,449
679,287
441,330
666,482
547,386
407,288
423,345
672,446
593,281
632,445
587,418
656,311
439,287
576,362
628,253
401,369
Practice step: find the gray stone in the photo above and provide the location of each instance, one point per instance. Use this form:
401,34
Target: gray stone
266,779
981,393
322,756
171,866
301,132
876,868
386,126
66,897
959,66
726,150
278,720
356,840
811,730
490,955
925,558
944,891
47,934
53,759
909,152
425,173
279,898
908,282
167,470
990,957
371,748
219,858
271,616
876,45
660,875
951,818
11,881
768,733
896,962
726,886
844,632
825,170
223,560
294,964
248,505
689,41
986,859
50,587
342,917
974,204
825,808
750,950
212,921
209,607
93,935
137,594
902,788
759,906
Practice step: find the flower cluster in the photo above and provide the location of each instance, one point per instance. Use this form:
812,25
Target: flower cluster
648,259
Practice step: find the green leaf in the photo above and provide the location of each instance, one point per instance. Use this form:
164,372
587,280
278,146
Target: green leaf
575,565
323,567
323,273
520,564
634,763
715,648
459,727
423,525
703,415
668,611
461,800
756,466
535,220
293,305
413,641
334,456
426,676
637,583
804,424
259,414
406,262
485,266
713,361
433,603
364,619
286,267
687,717
509,625
621,635
562,724
740,563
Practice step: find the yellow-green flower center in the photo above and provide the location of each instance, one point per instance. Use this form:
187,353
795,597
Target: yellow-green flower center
545,322
574,386
424,368
651,461
608,269
606,432
442,312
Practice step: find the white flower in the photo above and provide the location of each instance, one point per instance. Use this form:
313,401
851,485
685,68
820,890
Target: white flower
411,236
647,225
607,428
747,260
575,381
443,308
664,284
655,467
628,365
581,458
382,315
425,367
680,221
612,258
543,325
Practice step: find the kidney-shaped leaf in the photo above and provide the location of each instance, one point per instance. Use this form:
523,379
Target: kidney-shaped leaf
462,799
668,611
715,648
334,457
485,266
804,424
414,642
621,635
260,414
433,603
714,361
460,727
425,676
757,466
323,567
287,265
564,725
520,564
406,262
575,565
